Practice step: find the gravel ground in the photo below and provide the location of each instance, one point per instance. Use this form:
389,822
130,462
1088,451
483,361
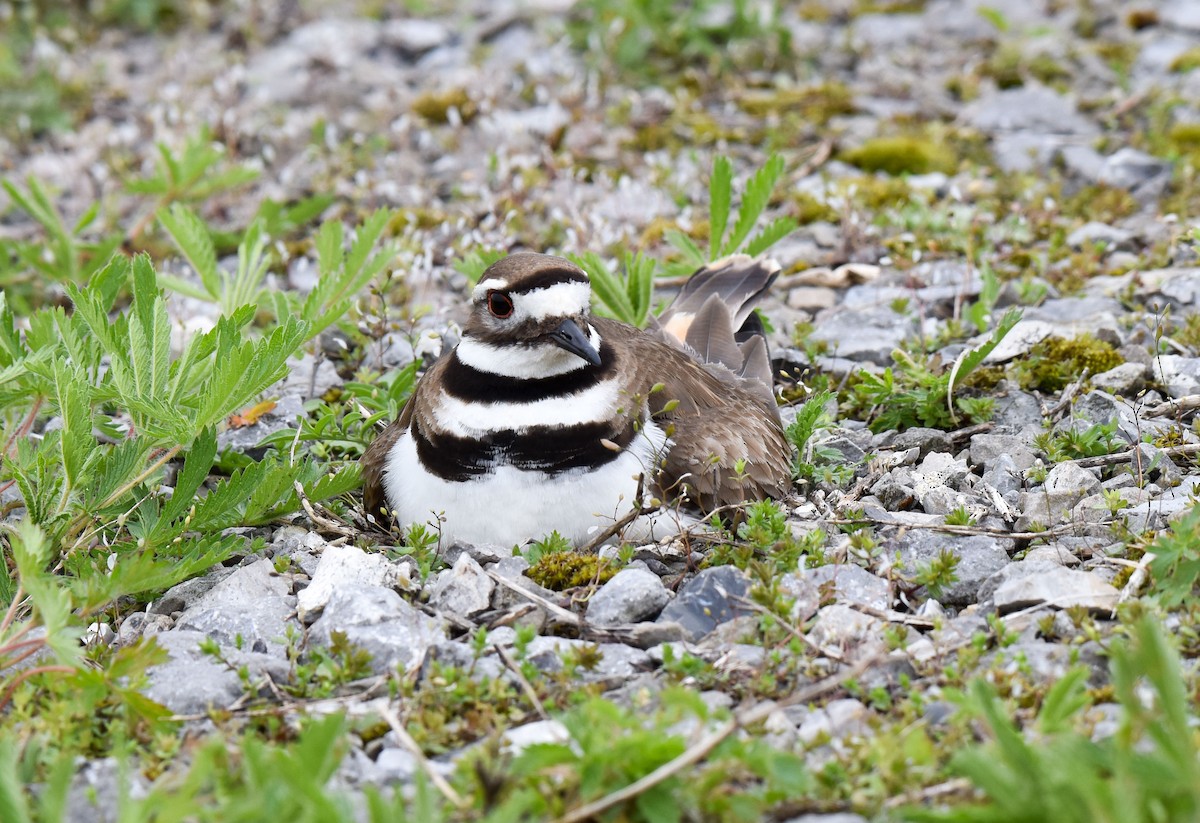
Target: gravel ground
1068,176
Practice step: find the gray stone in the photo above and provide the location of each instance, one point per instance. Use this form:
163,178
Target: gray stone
1129,168
923,439
1124,380
539,732
986,449
1066,484
465,589
484,553
979,557
870,334
1037,583
1020,339
848,583
245,439
1181,375
631,596
100,789
1030,108
1096,233
851,633
382,623
1004,476
191,682
137,625
347,567
707,600
183,596
413,37
617,661
836,719
253,607
1053,553
513,568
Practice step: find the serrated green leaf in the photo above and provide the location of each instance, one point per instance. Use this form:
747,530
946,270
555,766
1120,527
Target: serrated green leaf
329,248
720,201
13,805
191,237
31,552
606,286
693,257
775,231
196,466
754,201
73,396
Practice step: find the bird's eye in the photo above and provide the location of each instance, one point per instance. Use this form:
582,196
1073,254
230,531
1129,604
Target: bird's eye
499,304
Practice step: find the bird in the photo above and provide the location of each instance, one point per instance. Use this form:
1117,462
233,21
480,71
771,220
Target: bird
549,418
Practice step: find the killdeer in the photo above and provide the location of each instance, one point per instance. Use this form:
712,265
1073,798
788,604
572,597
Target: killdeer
545,416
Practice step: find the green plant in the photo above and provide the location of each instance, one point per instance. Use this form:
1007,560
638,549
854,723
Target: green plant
959,517
810,418
474,263
342,273
647,40
128,407
63,255
1075,443
1176,563
629,296
1149,770
938,574
191,175
724,239
626,297
917,396
1055,362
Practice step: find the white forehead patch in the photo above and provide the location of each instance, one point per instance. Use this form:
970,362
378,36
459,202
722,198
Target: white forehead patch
486,286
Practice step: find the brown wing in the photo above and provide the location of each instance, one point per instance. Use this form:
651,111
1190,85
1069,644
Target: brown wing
715,420
374,460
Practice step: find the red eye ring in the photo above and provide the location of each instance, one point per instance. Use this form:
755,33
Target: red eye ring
499,304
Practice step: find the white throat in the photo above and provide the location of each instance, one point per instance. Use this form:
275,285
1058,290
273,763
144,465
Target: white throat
522,362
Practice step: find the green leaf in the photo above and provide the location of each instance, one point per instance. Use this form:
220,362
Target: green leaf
754,202
775,231
606,286
14,808
196,466
693,257
969,360
76,444
194,242
720,201
31,552
149,333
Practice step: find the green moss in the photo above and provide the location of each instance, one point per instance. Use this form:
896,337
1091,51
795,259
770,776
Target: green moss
1048,70
875,193
1055,362
811,210
435,106
1186,62
1004,67
1184,139
984,378
559,571
902,155
1103,203
1139,19
815,105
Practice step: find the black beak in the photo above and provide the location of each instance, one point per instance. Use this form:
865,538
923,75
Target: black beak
570,337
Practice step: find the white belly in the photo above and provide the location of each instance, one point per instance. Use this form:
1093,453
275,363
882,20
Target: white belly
509,506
